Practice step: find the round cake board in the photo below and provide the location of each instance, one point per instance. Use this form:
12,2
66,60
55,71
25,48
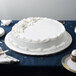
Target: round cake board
52,51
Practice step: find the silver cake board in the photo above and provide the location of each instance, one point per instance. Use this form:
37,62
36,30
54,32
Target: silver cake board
41,53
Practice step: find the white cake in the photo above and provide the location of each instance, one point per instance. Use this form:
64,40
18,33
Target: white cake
37,35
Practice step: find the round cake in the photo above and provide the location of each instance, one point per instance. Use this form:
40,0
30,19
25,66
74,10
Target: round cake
37,34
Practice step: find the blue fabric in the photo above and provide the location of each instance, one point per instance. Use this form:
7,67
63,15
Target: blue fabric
51,60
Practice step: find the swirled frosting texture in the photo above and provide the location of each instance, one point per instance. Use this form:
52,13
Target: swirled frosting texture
38,29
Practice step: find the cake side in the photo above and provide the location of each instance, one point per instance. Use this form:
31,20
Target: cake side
43,45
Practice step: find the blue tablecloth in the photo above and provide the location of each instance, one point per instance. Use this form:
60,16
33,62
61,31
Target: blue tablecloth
51,60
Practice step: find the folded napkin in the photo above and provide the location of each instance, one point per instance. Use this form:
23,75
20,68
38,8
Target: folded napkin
5,22
6,59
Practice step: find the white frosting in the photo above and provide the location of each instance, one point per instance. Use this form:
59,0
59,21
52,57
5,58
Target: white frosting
74,52
38,29
38,34
6,22
2,32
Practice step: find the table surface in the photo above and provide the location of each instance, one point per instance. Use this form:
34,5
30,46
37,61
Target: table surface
51,60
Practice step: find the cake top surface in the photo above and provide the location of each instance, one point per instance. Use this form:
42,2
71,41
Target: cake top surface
74,52
38,28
